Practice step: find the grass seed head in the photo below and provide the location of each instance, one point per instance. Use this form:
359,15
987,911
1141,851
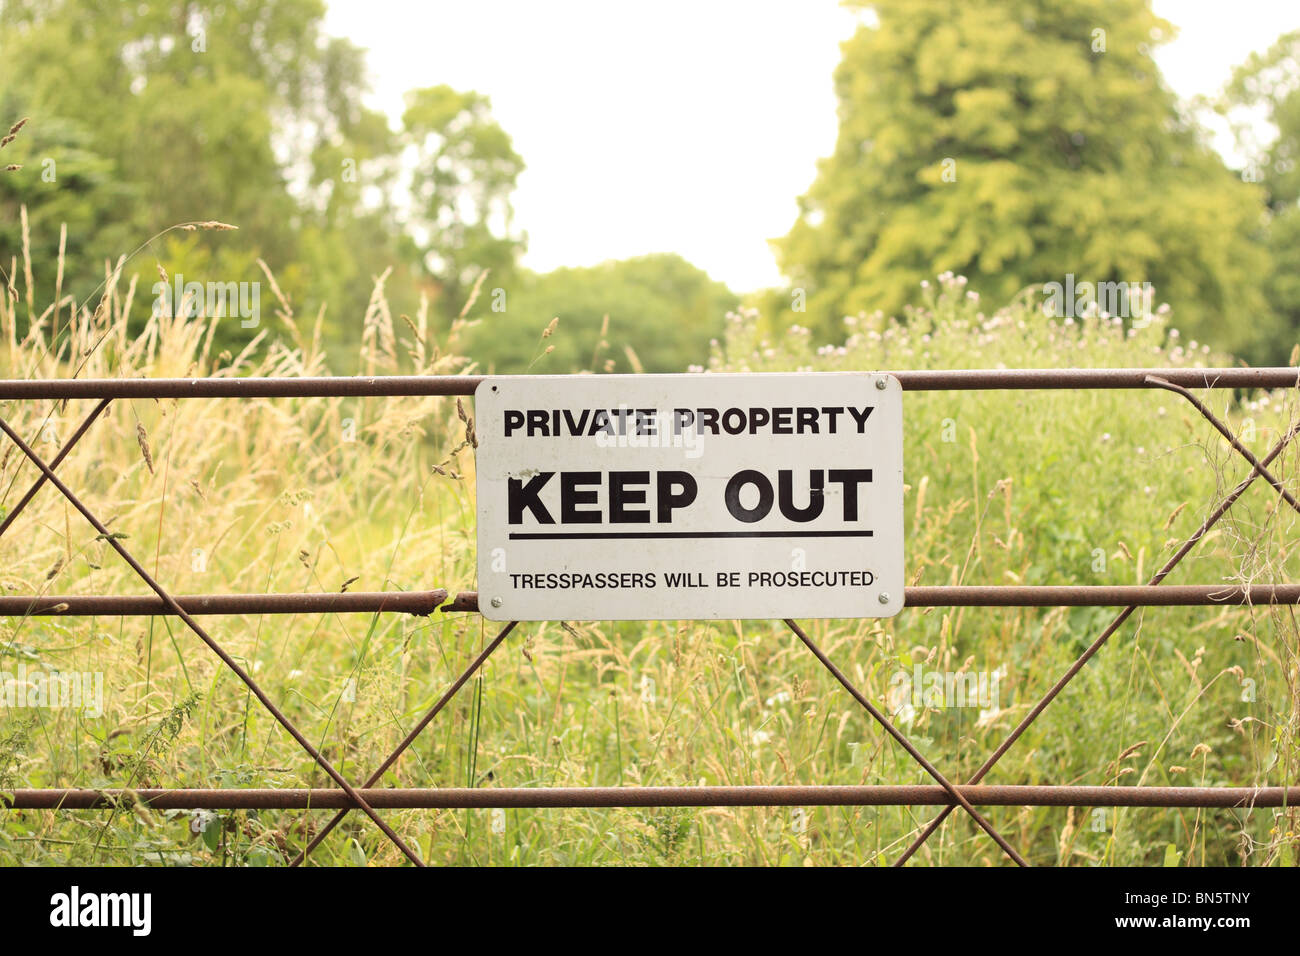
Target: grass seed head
142,439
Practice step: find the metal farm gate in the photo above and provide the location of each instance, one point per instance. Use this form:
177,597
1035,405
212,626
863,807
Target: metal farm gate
369,799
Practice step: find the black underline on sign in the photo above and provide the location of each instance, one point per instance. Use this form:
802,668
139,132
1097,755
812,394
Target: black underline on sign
554,535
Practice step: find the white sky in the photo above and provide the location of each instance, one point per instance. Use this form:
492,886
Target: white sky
687,126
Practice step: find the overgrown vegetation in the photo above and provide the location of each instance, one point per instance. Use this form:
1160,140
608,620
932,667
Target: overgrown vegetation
319,495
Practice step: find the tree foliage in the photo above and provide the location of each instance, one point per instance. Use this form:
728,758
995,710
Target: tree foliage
1016,141
154,113
460,186
656,313
1265,92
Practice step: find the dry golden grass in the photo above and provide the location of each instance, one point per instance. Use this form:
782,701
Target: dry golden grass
321,494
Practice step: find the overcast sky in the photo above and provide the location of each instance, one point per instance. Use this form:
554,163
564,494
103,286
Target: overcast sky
685,126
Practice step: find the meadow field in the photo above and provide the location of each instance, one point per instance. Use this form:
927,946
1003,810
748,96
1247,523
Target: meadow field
287,495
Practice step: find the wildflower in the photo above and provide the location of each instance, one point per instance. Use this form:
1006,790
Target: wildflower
200,820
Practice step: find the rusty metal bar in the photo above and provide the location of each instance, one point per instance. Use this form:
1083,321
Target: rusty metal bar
1184,549
462,798
305,387
1067,595
422,603
207,639
409,739
1079,378
464,601
1223,430
1092,595
906,744
398,385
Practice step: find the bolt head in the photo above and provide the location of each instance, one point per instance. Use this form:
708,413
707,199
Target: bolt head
497,602
882,384
883,597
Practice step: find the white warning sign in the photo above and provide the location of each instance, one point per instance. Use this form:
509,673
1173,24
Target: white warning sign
619,497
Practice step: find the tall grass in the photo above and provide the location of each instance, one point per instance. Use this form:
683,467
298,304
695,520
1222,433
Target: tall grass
322,494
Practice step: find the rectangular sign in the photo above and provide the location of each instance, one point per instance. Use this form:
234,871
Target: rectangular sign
666,497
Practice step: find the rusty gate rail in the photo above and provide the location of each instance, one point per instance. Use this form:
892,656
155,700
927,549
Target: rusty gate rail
424,603
481,798
394,386
421,603
367,798
1053,595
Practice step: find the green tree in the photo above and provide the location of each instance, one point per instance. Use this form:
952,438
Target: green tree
158,112
1016,141
63,178
1267,86
662,314
464,173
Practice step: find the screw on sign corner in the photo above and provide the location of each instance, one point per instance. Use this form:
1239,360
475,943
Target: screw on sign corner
497,602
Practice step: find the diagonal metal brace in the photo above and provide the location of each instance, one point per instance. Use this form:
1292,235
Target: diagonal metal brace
410,738
194,625
1228,501
75,437
907,745
1226,433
